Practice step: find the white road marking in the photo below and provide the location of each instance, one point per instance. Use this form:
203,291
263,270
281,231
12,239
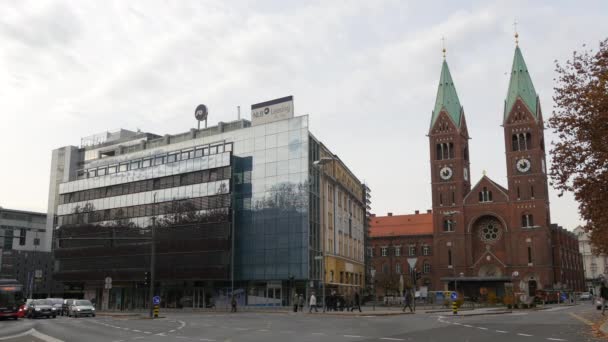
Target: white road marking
318,333
466,325
456,323
138,338
206,339
482,328
354,336
172,330
136,330
501,331
391,339
555,339
161,334
520,334
147,332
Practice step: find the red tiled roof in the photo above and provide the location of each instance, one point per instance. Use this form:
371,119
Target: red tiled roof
417,224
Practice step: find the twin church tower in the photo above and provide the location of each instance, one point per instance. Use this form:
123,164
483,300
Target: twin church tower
486,235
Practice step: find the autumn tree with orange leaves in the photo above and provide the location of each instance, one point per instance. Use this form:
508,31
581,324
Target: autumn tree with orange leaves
580,120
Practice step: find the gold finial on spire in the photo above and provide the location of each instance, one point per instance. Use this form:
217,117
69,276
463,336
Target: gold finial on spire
443,46
516,34
484,172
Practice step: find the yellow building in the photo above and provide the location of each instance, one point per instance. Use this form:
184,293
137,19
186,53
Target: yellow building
343,226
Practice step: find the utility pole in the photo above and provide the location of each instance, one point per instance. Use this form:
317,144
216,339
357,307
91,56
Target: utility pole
152,262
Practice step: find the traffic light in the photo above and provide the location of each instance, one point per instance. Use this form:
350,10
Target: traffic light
147,278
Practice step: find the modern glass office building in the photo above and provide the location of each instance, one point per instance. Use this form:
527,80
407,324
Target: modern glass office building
234,206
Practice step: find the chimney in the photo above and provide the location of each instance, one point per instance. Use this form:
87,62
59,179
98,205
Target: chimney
238,109
390,214
428,211
417,212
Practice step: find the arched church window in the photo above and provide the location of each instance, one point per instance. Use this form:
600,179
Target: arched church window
446,151
449,257
527,221
532,191
466,153
449,225
522,142
518,193
438,152
485,195
451,150
528,141
515,142
440,198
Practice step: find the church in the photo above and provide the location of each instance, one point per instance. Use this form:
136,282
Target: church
485,235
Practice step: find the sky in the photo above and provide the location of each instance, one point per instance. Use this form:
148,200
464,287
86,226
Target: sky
366,72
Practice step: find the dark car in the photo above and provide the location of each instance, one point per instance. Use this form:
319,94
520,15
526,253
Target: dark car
41,308
82,307
57,304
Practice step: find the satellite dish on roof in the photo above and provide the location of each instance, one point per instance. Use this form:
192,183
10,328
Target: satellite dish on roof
201,113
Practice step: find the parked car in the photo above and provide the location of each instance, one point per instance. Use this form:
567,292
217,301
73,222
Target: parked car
82,307
65,307
41,308
585,296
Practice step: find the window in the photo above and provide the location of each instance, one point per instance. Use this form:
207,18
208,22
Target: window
185,155
529,255
453,198
449,225
213,150
206,151
22,237
370,252
521,141
146,163
466,153
92,173
159,160
398,251
198,153
532,191
398,268
135,165
228,147
385,268
485,195
172,158
112,169
426,250
383,250
8,239
341,277
527,221
331,276
444,151
440,199
36,242
123,167
449,257
518,193
411,251
426,268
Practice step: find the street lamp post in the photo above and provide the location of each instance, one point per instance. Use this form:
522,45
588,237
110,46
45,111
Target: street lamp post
152,262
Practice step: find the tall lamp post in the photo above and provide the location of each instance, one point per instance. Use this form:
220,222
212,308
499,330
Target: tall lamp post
318,164
152,261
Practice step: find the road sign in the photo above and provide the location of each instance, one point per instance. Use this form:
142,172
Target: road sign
156,300
108,286
38,273
454,296
108,280
412,262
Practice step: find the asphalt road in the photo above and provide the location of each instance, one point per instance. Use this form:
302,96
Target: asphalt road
555,324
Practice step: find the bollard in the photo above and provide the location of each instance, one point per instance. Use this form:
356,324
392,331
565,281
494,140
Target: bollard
455,308
155,311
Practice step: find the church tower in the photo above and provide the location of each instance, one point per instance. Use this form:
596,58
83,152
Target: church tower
525,148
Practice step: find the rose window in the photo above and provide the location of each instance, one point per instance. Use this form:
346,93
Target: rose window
489,230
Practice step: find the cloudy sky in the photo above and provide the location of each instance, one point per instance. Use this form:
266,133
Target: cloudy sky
365,71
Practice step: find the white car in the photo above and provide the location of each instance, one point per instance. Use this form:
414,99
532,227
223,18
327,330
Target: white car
81,307
585,296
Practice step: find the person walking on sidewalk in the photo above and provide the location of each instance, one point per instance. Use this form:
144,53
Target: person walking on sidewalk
356,303
313,303
296,301
301,302
408,301
233,304
604,296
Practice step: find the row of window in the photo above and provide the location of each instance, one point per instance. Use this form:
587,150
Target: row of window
445,151
9,236
521,141
426,268
347,278
411,251
527,221
152,209
183,179
160,159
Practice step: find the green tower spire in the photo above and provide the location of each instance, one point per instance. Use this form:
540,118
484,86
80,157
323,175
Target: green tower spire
520,86
446,97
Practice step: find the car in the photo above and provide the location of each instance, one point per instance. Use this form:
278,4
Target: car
41,308
22,311
65,307
585,296
57,303
81,307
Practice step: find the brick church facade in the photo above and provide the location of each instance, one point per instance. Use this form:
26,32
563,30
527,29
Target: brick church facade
484,234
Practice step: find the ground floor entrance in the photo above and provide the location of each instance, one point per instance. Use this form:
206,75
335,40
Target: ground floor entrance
479,289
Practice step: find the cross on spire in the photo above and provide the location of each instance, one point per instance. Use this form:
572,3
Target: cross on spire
516,34
443,46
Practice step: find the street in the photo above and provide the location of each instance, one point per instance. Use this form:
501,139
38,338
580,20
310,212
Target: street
560,323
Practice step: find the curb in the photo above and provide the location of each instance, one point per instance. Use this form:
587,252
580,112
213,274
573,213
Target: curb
484,313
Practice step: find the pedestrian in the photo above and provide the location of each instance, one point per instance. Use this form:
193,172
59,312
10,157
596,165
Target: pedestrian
604,296
233,304
356,302
313,303
301,302
408,301
296,301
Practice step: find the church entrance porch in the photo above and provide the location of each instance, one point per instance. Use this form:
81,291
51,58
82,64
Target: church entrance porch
478,289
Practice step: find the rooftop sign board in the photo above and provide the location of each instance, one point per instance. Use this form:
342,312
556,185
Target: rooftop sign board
272,110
